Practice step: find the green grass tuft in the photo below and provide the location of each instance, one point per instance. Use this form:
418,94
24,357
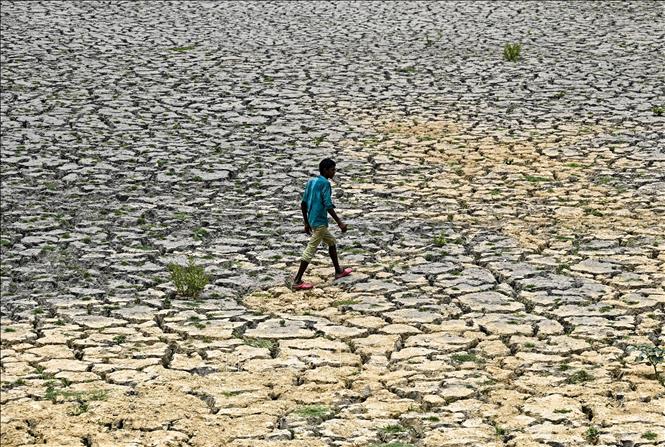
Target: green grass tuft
189,280
314,411
511,52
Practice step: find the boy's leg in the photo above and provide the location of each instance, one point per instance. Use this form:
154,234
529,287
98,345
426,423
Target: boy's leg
301,271
332,250
308,254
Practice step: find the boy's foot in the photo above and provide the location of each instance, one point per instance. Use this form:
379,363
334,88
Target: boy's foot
343,273
301,286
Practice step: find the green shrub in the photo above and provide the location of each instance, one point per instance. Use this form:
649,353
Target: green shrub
649,435
579,376
190,279
592,435
511,52
652,355
314,411
440,240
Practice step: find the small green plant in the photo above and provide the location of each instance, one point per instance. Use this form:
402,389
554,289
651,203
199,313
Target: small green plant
562,267
649,436
190,279
653,355
340,303
579,376
440,240
592,435
535,178
593,212
511,51
658,110
463,358
259,343
313,411
392,429
119,339
200,233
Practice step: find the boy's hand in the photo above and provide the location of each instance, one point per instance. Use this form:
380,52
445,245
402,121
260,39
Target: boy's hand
308,229
343,227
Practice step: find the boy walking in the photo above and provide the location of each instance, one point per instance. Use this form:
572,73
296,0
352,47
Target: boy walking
316,205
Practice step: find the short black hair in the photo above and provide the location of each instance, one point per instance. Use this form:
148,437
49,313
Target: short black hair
325,164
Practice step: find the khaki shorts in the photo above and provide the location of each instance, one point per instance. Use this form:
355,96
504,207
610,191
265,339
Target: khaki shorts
319,234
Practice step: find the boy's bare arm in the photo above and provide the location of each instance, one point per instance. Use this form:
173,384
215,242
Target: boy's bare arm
342,225
303,208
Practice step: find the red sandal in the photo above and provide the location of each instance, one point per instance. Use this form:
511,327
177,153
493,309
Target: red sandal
343,273
302,286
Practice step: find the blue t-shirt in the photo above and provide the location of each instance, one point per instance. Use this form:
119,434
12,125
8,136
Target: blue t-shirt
318,197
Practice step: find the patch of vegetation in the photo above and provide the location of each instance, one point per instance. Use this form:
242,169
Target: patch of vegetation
189,280
592,435
119,339
183,49
562,410
9,329
440,240
653,355
54,394
314,411
579,376
318,140
463,358
649,436
200,233
392,429
562,267
535,178
260,342
593,212
392,444
658,110
511,52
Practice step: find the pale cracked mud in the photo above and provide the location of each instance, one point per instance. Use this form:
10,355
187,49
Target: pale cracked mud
507,223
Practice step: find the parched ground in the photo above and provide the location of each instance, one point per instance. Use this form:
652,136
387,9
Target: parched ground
507,223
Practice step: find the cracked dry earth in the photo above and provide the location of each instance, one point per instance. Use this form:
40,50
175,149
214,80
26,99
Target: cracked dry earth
507,225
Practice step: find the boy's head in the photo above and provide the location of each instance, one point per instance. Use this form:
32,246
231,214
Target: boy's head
327,168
